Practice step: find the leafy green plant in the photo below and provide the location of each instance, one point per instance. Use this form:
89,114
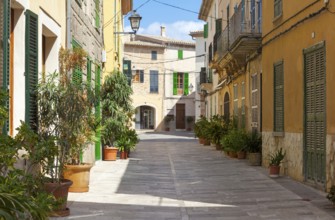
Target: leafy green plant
235,140
254,142
117,108
201,127
331,194
276,157
127,140
218,127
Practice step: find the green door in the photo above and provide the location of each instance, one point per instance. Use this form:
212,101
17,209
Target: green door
315,114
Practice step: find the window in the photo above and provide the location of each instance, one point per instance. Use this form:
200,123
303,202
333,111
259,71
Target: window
278,8
254,101
138,76
243,22
180,83
235,100
153,55
89,72
243,105
153,81
180,54
253,14
278,96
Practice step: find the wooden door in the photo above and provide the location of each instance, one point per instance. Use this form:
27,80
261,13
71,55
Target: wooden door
180,116
315,115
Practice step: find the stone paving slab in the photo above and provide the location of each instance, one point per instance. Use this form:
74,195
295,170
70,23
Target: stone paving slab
172,177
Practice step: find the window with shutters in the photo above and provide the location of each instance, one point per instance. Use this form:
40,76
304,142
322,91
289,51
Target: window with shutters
153,55
235,100
138,76
180,55
243,22
180,83
254,101
243,105
278,75
278,8
253,14
153,81
31,69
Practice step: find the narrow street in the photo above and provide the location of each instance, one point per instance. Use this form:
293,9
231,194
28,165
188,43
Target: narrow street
172,177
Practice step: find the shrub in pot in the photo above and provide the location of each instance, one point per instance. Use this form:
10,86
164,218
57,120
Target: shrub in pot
275,160
254,148
234,141
189,120
201,130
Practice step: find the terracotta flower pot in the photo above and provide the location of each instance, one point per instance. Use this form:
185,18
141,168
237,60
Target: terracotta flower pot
123,155
110,153
59,191
207,142
201,141
255,159
274,171
79,175
241,155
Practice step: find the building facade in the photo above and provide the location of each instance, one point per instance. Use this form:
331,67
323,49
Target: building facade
162,73
114,12
231,83
297,80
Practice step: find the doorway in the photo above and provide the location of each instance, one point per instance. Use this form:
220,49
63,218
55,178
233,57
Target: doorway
180,116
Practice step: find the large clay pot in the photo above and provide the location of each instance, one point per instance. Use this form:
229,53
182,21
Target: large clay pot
123,155
59,191
255,159
79,175
110,153
241,155
201,141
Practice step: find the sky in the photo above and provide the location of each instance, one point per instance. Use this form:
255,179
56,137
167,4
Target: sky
178,23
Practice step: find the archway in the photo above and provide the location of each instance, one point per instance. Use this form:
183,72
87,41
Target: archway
226,112
145,117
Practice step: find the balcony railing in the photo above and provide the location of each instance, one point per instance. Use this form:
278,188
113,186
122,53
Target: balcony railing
244,26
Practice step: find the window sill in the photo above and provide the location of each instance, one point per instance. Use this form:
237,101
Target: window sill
278,134
277,18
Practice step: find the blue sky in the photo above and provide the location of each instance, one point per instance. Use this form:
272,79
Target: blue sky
178,22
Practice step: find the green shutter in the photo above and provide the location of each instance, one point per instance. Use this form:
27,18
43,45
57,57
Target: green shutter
206,30
180,54
218,25
4,57
97,13
31,68
185,83
98,112
77,75
279,97
175,79
89,71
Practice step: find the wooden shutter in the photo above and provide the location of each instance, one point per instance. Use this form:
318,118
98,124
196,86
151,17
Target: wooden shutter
185,83
31,68
279,97
206,30
97,14
77,75
89,71
180,54
175,82
98,112
218,25
141,76
5,50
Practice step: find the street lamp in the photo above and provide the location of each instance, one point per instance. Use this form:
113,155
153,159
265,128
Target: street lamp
135,20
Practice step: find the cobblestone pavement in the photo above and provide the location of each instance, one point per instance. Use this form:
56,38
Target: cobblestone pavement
172,177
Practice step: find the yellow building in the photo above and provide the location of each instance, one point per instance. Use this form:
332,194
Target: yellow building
233,38
114,12
298,52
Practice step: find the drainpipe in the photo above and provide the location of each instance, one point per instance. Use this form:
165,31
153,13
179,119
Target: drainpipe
68,24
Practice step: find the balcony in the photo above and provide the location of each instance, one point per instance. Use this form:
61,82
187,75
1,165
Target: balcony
205,79
240,38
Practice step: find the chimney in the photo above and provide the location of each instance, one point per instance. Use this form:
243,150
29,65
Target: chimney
163,31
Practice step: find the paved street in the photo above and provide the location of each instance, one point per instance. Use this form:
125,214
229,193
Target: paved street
172,177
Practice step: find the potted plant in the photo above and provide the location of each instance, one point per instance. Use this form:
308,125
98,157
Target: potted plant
167,120
117,110
201,130
218,127
234,142
331,195
275,160
254,148
126,142
189,120
65,110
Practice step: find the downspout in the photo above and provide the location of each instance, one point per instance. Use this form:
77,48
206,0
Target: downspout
68,25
